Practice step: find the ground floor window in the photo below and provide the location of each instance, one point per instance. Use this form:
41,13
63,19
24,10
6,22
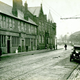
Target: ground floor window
51,41
15,41
42,39
27,41
34,42
39,39
2,40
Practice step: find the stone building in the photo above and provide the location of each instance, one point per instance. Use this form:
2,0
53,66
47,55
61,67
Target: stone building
25,27
46,27
15,31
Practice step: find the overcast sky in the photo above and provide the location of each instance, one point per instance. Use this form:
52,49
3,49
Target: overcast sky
59,9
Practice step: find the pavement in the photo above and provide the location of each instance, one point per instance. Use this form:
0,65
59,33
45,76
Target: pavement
32,52
75,74
28,52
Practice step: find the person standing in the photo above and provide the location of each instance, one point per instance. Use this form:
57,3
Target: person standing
0,53
65,46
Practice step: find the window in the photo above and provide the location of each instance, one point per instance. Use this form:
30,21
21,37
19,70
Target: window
25,27
42,39
4,22
27,41
7,22
0,17
19,25
3,40
29,28
13,23
40,26
22,27
15,41
35,30
34,42
0,20
48,40
39,39
51,41
10,23
7,19
32,29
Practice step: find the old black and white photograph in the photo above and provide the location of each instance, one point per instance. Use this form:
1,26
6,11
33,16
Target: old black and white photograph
39,39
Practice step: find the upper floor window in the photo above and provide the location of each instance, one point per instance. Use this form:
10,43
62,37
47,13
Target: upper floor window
0,17
29,28
7,19
25,27
32,29
22,27
0,20
35,30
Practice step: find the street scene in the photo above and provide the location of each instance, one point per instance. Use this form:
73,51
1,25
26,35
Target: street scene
38,65
39,40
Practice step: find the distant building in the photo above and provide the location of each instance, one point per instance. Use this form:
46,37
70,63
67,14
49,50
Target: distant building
25,27
74,38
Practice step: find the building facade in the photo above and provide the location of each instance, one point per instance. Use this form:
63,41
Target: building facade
46,27
25,28
17,33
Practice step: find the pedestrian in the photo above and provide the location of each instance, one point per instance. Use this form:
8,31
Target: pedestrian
19,49
47,46
50,46
56,46
0,53
65,46
37,47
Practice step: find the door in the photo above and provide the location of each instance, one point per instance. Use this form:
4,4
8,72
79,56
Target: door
22,45
31,45
8,46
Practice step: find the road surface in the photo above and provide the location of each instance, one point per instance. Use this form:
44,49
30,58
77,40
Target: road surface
53,65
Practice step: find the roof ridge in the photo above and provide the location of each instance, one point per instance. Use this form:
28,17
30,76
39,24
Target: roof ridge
7,9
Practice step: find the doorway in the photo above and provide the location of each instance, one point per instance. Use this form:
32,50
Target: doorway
8,46
31,45
22,45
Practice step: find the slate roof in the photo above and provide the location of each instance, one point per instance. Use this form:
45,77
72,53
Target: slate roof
34,10
7,9
50,17
4,8
76,33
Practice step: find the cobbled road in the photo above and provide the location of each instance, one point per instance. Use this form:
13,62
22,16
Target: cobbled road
53,65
